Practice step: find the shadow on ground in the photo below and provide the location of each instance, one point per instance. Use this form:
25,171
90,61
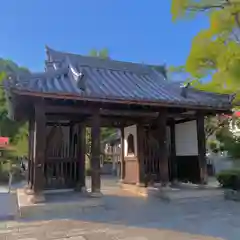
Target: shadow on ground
204,216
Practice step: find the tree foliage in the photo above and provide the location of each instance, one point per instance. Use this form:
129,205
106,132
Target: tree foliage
215,51
103,53
214,58
16,131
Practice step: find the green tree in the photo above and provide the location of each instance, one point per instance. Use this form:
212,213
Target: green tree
16,131
214,54
103,53
215,51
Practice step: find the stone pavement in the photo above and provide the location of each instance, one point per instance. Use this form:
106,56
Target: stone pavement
80,230
129,217
8,202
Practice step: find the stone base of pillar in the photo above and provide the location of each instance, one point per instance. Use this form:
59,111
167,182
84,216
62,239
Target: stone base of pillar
96,194
174,183
204,180
37,198
140,184
79,187
121,180
165,184
28,190
84,190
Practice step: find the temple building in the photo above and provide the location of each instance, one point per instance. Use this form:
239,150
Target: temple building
161,123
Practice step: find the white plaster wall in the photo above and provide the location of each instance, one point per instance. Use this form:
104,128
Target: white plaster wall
130,130
186,139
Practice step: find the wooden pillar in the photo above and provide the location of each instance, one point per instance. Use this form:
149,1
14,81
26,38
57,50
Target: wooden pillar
30,151
173,163
140,155
122,171
70,147
201,147
95,158
81,155
162,141
39,151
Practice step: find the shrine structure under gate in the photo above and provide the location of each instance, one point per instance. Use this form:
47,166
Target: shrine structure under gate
162,124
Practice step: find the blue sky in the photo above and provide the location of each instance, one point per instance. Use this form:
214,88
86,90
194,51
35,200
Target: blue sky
132,30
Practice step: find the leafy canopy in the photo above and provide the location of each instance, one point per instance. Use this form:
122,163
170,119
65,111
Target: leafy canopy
215,51
16,131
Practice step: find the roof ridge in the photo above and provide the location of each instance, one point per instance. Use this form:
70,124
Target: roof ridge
48,49
99,62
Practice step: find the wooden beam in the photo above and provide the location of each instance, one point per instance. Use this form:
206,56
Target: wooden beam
52,118
65,117
62,124
188,119
89,111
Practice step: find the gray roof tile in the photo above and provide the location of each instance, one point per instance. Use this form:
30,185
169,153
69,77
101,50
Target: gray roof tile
108,79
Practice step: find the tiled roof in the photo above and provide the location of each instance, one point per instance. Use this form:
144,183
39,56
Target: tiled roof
90,77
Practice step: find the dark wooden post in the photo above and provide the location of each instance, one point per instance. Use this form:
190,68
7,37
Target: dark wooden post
162,141
201,147
81,155
95,158
30,151
122,171
70,147
140,155
39,151
173,150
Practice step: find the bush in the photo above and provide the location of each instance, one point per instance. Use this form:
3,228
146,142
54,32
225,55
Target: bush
4,173
229,178
213,146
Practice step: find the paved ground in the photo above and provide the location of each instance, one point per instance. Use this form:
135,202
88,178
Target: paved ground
79,230
7,202
129,217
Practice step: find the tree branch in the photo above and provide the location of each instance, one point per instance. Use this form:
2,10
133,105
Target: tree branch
203,8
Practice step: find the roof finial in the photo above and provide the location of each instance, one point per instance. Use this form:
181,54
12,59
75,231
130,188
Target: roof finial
232,97
184,90
81,81
47,52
